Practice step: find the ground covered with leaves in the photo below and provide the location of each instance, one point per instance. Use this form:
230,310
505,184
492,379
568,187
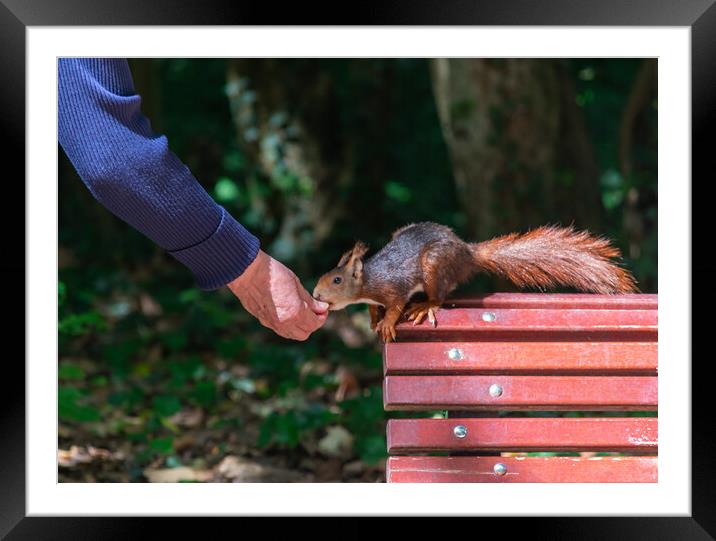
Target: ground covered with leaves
189,387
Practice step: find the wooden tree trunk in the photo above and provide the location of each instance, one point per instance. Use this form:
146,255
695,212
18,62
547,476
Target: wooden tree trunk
644,90
285,113
504,121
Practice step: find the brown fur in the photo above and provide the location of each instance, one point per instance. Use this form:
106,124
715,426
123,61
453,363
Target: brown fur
555,256
429,257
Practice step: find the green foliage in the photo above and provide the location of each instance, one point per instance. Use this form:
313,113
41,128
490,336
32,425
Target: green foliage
162,446
72,406
166,405
204,393
78,323
398,192
226,190
69,371
364,417
286,429
128,374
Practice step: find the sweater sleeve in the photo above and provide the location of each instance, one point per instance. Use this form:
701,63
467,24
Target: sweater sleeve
131,171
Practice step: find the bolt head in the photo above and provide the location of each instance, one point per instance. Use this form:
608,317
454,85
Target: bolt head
500,469
495,390
455,354
460,431
488,316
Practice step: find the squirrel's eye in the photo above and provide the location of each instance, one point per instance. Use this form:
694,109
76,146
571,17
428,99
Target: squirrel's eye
337,280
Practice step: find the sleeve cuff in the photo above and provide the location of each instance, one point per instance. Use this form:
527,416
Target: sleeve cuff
222,257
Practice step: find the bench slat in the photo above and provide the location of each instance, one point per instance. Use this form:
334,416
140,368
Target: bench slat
586,325
520,357
629,434
406,469
520,392
559,300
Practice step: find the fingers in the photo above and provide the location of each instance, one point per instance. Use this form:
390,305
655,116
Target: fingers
316,306
310,316
280,302
303,327
313,321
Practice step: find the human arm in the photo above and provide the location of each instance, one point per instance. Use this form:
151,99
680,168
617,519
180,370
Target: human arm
133,173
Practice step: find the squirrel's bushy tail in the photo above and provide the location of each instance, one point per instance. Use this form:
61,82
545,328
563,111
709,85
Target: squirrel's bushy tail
552,256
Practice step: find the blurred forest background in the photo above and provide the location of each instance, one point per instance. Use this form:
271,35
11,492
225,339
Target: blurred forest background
161,382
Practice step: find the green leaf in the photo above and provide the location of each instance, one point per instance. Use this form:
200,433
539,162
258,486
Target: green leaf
71,408
79,324
175,341
163,446
226,190
69,370
166,405
233,161
118,355
232,347
61,292
168,424
281,429
99,381
189,296
371,449
398,192
612,199
205,393
129,399
185,369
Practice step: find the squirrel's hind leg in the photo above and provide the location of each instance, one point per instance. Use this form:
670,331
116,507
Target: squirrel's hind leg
417,312
443,265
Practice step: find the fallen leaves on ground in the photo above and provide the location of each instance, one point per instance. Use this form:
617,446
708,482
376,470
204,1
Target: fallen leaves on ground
177,475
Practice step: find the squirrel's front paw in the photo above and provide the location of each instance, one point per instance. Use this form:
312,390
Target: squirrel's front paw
385,330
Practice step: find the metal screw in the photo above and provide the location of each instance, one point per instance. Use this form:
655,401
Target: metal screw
455,354
495,390
460,431
488,316
500,469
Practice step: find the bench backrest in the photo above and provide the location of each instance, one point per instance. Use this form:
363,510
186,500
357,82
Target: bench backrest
519,353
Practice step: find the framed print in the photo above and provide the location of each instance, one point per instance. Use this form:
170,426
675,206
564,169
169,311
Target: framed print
185,407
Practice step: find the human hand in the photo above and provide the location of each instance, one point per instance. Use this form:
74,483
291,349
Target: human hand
274,295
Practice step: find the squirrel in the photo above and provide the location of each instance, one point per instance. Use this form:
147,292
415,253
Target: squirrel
430,258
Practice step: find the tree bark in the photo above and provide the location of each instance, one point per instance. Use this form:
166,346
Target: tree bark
644,90
286,114
505,121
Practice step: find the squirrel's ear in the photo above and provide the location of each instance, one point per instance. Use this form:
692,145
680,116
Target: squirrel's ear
360,249
355,262
357,269
344,258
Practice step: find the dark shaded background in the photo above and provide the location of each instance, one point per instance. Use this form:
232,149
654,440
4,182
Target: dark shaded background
157,378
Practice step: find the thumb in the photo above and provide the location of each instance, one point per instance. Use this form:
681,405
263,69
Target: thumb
318,307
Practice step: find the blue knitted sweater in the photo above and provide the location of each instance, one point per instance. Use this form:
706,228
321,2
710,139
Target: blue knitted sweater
132,172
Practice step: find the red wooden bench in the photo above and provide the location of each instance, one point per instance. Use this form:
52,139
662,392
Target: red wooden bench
523,352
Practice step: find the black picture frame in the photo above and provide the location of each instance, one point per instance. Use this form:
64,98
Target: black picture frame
16,15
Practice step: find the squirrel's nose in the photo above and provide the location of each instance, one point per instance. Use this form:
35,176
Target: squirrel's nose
317,295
